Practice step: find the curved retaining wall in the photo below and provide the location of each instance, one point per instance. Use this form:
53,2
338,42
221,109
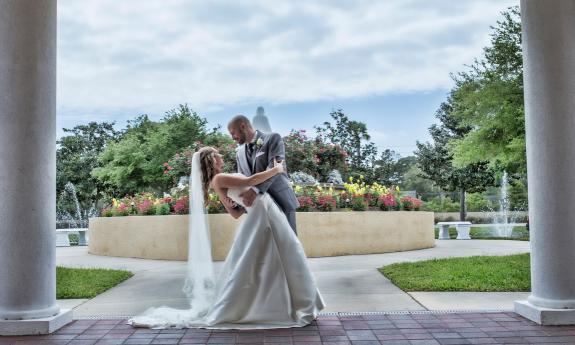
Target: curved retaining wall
321,234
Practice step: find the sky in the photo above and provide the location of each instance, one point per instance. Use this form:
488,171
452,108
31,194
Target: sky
386,63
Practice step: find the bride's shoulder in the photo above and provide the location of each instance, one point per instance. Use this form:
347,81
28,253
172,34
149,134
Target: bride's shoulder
229,174
220,176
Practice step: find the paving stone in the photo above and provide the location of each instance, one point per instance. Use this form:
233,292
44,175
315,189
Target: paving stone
388,329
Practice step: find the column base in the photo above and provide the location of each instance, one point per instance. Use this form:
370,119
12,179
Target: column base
545,316
36,326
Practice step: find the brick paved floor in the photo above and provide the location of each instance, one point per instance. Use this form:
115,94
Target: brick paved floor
365,329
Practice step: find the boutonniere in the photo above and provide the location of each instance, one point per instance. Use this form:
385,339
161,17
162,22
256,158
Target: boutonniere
259,143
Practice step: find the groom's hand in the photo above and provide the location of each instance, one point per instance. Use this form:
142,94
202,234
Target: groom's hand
248,197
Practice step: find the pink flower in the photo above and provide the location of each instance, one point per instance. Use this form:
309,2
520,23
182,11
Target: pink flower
326,202
305,202
182,205
388,200
144,207
411,203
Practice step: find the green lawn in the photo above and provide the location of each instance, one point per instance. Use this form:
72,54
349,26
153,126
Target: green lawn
519,233
86,283
476,273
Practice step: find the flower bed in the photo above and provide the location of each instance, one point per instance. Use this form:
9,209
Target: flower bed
356,196
321,234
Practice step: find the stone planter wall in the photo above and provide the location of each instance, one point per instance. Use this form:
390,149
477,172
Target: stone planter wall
321,234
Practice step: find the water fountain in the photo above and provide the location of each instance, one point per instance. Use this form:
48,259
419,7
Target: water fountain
73,218
505,219
504,228
70,189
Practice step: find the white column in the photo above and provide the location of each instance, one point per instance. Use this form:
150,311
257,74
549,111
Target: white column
549,75
27,164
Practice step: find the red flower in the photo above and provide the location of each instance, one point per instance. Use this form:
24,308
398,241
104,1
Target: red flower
182,205
305,203
326,202
388,200
410,203
145,206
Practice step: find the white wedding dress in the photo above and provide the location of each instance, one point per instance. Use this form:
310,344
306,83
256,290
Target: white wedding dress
265,281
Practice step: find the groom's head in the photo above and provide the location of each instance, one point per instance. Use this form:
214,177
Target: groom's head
241,129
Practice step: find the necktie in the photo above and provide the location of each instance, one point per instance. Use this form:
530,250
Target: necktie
249,154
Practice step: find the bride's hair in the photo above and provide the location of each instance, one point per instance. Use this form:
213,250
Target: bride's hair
207,155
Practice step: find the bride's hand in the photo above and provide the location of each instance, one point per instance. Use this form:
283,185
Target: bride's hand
227,201
278,166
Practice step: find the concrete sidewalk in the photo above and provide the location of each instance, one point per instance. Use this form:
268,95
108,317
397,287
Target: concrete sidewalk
347,283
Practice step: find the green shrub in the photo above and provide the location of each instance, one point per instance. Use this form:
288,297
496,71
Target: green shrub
162,209
476,202
358,203
438,205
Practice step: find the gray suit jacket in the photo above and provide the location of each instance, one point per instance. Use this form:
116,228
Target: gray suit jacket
278,187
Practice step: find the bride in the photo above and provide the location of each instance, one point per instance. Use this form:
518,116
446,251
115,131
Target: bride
265,281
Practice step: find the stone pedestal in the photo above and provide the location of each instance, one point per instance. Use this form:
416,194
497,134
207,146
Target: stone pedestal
45,325
549,75
463,231
443,232
545,316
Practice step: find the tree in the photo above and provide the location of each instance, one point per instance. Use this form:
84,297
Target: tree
390,168
488,99
136,161
353,137
413,180
436,161
76,157
404,172
180,163
226,146
313,156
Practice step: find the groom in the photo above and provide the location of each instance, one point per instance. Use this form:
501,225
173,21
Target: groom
256,153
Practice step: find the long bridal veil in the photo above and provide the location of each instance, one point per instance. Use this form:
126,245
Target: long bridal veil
199,285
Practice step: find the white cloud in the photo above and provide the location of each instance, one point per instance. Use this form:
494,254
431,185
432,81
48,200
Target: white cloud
153,53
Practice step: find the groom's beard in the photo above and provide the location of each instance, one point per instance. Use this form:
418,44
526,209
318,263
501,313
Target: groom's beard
243,139
240,139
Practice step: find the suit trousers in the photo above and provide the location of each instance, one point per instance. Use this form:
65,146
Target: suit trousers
291,220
